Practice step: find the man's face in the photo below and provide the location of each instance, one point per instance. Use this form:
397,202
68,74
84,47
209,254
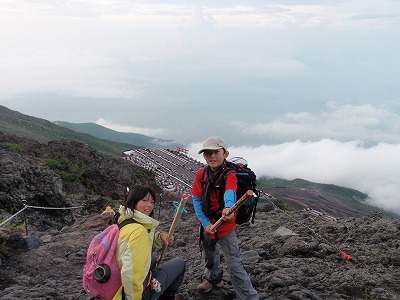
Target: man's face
215,158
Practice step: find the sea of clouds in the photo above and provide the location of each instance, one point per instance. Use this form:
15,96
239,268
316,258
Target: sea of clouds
371,170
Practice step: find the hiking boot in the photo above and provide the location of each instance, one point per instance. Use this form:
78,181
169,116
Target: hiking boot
178,297
206,286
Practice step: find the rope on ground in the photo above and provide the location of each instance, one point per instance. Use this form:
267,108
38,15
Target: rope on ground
5,221
43,207
37,207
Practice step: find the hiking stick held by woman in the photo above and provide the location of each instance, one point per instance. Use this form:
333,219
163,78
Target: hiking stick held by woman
247,195
177,216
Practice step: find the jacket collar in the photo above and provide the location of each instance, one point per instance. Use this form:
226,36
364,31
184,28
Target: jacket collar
147,221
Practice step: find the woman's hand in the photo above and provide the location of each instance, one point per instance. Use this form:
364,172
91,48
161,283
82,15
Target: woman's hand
167,240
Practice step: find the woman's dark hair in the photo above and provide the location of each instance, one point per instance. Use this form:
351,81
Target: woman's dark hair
136,193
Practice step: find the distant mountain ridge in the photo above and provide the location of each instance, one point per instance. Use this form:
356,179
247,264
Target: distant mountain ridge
103,139
116,136
42,130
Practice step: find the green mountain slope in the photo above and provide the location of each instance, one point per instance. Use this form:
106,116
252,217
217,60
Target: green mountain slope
45,131
124,137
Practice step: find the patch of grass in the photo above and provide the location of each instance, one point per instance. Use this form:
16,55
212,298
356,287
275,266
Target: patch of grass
281,205
67,170
11,147
110,200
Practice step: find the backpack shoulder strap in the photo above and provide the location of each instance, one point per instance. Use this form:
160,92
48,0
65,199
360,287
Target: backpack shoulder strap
126,222
228,167
129,221
222,183
203,176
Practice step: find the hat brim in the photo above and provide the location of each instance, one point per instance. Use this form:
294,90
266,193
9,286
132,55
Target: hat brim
210,148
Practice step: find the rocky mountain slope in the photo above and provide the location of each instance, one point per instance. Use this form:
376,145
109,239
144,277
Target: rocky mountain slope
289,255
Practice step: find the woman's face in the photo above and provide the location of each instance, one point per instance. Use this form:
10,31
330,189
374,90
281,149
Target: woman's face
145,205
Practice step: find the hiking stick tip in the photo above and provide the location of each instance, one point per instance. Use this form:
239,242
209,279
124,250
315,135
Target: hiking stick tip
250,194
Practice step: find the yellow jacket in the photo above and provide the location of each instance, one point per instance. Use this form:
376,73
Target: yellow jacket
133,252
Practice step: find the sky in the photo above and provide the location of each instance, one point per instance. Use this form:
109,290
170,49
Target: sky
301,89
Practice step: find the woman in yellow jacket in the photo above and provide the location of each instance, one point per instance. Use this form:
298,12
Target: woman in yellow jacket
136,243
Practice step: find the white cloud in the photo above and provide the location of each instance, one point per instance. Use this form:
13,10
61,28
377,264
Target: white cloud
373,170
152,132
365,123
73,73
80,48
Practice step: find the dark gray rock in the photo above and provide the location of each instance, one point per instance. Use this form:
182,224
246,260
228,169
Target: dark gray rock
33,242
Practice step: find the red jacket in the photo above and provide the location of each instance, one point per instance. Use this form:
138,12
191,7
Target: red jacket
215,207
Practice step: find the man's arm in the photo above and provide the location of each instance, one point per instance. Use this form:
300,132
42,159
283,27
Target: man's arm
199,211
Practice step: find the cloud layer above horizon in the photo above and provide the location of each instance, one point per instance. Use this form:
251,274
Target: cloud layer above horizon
373,171
281,68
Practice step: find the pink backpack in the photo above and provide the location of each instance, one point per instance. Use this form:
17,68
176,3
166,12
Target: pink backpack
101,274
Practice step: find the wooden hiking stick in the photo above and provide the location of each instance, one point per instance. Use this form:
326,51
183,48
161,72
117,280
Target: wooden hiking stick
177,216
247,195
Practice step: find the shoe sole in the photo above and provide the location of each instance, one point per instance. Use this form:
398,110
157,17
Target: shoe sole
218,285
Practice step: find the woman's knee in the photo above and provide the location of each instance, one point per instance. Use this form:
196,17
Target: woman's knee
180,263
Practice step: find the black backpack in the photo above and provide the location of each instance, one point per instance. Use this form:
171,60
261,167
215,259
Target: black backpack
246,180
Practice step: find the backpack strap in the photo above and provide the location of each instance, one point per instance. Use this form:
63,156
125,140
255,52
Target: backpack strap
129,221
222,184
126,222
